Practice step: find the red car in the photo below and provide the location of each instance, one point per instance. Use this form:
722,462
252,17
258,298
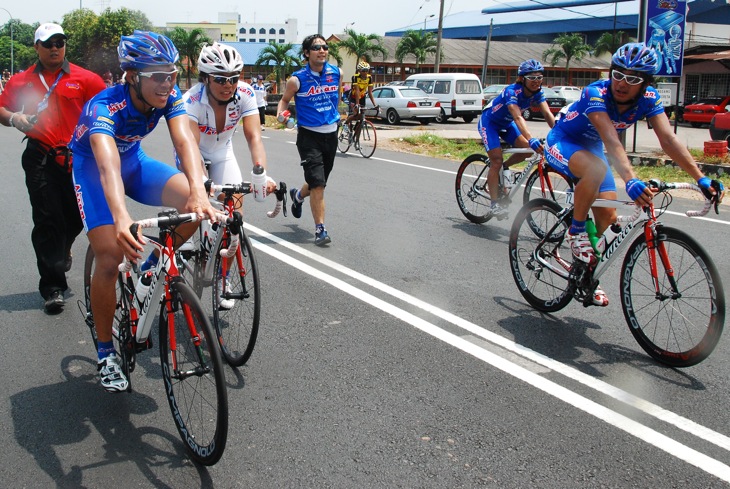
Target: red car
702,112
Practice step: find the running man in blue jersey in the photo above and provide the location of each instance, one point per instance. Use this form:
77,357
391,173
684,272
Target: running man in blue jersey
316,90
504,115
605,109
109,163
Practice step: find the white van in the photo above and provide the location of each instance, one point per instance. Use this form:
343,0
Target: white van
460,94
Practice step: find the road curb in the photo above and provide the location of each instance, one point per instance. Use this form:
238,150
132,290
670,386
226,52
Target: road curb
657,161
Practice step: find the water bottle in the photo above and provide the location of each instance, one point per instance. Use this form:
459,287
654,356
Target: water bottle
608,236
258,182
592,233
143,286
507,178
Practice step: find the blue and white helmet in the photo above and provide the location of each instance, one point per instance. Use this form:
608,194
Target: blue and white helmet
146,48
530,66
636,56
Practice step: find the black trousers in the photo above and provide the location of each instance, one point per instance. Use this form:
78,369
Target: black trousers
56,218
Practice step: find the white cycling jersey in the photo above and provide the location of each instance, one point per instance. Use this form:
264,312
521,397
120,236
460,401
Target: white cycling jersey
217,147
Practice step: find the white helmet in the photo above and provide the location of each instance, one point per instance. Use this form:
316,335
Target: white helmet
219,58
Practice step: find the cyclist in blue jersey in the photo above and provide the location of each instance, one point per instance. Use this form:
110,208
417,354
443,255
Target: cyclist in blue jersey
575,146
316,90
503,118
109,163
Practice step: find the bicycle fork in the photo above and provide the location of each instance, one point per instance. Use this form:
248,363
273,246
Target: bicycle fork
654,246
172,307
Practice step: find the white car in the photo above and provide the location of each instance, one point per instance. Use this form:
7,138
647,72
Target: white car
571,94
401,102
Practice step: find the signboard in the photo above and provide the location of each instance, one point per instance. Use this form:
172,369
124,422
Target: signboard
664,29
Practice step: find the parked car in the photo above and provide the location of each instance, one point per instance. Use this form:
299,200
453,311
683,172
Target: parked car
460,94
490,92
701,112
402,102
571,94
555,103
720,127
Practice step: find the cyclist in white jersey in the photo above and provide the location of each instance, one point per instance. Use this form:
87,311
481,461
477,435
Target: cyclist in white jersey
215,106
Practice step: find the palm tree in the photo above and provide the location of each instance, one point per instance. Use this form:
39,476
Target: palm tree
281,56
361,46
609,42
189,44
418,43
568,46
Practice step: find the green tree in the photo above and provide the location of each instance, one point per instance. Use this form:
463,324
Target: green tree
417,43
189,43
79,26
361,46
609,42
282,57
23,54
93,39
568,47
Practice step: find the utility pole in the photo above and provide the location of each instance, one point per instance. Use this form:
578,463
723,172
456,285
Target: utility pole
438,38
320,19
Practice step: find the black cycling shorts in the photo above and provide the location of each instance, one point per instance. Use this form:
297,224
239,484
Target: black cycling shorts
317,152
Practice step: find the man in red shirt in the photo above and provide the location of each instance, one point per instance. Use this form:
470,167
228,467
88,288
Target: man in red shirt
44,102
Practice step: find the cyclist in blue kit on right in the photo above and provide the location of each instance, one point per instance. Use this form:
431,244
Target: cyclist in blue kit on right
575,146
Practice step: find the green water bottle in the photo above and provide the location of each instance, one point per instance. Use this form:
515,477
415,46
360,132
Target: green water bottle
592,233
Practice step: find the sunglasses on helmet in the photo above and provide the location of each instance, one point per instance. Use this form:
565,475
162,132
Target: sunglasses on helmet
533,77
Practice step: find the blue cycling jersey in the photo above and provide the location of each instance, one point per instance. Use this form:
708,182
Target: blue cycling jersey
514,94
318,95
597,97
111,112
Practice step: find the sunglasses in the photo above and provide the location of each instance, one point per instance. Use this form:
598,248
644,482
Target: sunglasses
58,43
222,80
319,47
630,79
533,77
160,76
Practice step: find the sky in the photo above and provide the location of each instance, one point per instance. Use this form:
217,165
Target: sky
368,17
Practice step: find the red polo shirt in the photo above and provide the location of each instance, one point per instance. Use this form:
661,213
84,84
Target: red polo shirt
55,126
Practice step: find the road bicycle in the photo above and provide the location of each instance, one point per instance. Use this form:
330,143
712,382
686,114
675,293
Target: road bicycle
539,179
671,293
221,262
192,368
360,132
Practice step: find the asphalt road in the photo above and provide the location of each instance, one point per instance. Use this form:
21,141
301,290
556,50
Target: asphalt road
400,356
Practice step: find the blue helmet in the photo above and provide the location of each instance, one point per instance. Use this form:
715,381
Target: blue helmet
145,48
530,66
636,56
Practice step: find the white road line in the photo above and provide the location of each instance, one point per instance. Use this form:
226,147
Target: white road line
621,395
653,437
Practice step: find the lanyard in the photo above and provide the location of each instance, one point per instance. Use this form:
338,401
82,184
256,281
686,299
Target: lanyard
43,105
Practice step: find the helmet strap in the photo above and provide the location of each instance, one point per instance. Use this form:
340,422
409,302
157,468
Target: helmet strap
137,85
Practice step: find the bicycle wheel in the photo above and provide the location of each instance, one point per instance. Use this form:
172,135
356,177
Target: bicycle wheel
540,258
682,324
343,138
192,371
122,336
554,187
472,193
238,326
368,139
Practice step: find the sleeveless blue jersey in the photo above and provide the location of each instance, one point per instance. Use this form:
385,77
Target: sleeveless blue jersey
318,96
111,112
514,94
597,97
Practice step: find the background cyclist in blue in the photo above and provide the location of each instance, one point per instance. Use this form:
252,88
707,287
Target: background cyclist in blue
505,114
109,163
606,108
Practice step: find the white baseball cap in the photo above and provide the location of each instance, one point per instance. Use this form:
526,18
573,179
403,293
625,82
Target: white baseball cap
46,31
